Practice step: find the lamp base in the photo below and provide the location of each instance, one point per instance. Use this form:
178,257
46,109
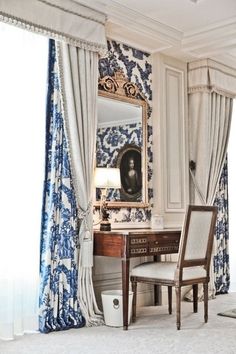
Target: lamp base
105,226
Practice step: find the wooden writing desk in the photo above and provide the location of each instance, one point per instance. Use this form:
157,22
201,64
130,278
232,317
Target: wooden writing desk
130,243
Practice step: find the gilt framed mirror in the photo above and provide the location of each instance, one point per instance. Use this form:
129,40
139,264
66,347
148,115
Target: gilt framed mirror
122,139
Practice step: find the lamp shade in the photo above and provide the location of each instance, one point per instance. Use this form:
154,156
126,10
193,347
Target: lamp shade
107,177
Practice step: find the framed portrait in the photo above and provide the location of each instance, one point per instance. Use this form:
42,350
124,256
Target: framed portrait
130,164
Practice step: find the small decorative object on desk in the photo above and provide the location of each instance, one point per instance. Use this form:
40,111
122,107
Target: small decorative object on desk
105,223
106,178
157,222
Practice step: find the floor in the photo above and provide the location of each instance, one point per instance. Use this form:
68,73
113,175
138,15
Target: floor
153,332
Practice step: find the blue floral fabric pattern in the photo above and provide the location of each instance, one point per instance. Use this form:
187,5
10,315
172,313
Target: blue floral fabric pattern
221,259
59,307
137,67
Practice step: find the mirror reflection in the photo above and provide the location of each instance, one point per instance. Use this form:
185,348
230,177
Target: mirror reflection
121,140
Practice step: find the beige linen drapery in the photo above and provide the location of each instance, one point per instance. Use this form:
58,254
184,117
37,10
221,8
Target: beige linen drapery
81,32
211,88
79,70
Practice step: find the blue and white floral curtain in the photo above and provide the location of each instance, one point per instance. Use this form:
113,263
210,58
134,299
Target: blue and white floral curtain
59,307
221,258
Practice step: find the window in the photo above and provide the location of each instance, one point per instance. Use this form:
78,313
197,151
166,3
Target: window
23,73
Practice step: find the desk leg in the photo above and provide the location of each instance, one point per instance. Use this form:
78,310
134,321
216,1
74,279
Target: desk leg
125,291
157,288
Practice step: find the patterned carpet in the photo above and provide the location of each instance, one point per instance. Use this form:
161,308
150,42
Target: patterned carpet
154,332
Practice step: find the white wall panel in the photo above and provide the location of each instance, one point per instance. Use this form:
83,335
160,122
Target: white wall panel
171,182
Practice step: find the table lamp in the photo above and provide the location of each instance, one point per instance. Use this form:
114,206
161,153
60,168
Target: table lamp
106,177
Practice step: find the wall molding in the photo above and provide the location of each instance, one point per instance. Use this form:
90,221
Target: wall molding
171,178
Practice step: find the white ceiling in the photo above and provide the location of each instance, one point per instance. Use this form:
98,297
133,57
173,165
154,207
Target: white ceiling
184,15
186,29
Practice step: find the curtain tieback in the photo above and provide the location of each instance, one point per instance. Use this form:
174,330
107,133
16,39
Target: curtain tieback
86,241
197,187
82,214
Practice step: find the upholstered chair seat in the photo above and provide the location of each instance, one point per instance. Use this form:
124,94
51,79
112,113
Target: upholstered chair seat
166,270
192,267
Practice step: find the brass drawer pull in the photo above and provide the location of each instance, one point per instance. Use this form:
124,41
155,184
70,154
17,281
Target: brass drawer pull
164,248
138,250
135,241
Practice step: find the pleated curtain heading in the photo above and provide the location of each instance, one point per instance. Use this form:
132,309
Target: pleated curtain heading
64,20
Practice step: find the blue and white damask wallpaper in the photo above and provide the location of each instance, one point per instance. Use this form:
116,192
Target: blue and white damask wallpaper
111,139
137,67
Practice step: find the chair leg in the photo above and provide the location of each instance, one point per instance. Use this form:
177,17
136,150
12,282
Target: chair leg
205,294
195,298
170,299
134,289
178,306
157,295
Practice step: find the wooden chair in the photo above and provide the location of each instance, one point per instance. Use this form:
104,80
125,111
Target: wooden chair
193,262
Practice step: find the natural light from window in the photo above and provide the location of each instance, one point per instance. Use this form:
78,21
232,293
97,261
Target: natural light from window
23,76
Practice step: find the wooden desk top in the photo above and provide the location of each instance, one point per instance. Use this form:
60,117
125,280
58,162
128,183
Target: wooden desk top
139,231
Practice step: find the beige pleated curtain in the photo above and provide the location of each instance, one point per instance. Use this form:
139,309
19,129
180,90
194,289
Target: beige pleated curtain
211,89
64,20
79,77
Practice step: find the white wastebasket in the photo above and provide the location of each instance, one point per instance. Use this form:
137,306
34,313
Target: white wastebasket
112,302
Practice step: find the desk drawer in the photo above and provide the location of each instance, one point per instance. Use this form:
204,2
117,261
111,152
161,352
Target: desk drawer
164,244
163,248
150,244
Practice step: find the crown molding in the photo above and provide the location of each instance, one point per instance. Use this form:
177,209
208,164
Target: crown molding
123,15
211,28
131,27
218,36
153,36
128,26
135,39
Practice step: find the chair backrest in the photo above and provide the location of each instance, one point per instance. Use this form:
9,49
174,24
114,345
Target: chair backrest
197,237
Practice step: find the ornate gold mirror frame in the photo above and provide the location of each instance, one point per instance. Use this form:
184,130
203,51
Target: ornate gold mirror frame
118,88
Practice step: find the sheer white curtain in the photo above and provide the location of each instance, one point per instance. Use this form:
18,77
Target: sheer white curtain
23,70
83,29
